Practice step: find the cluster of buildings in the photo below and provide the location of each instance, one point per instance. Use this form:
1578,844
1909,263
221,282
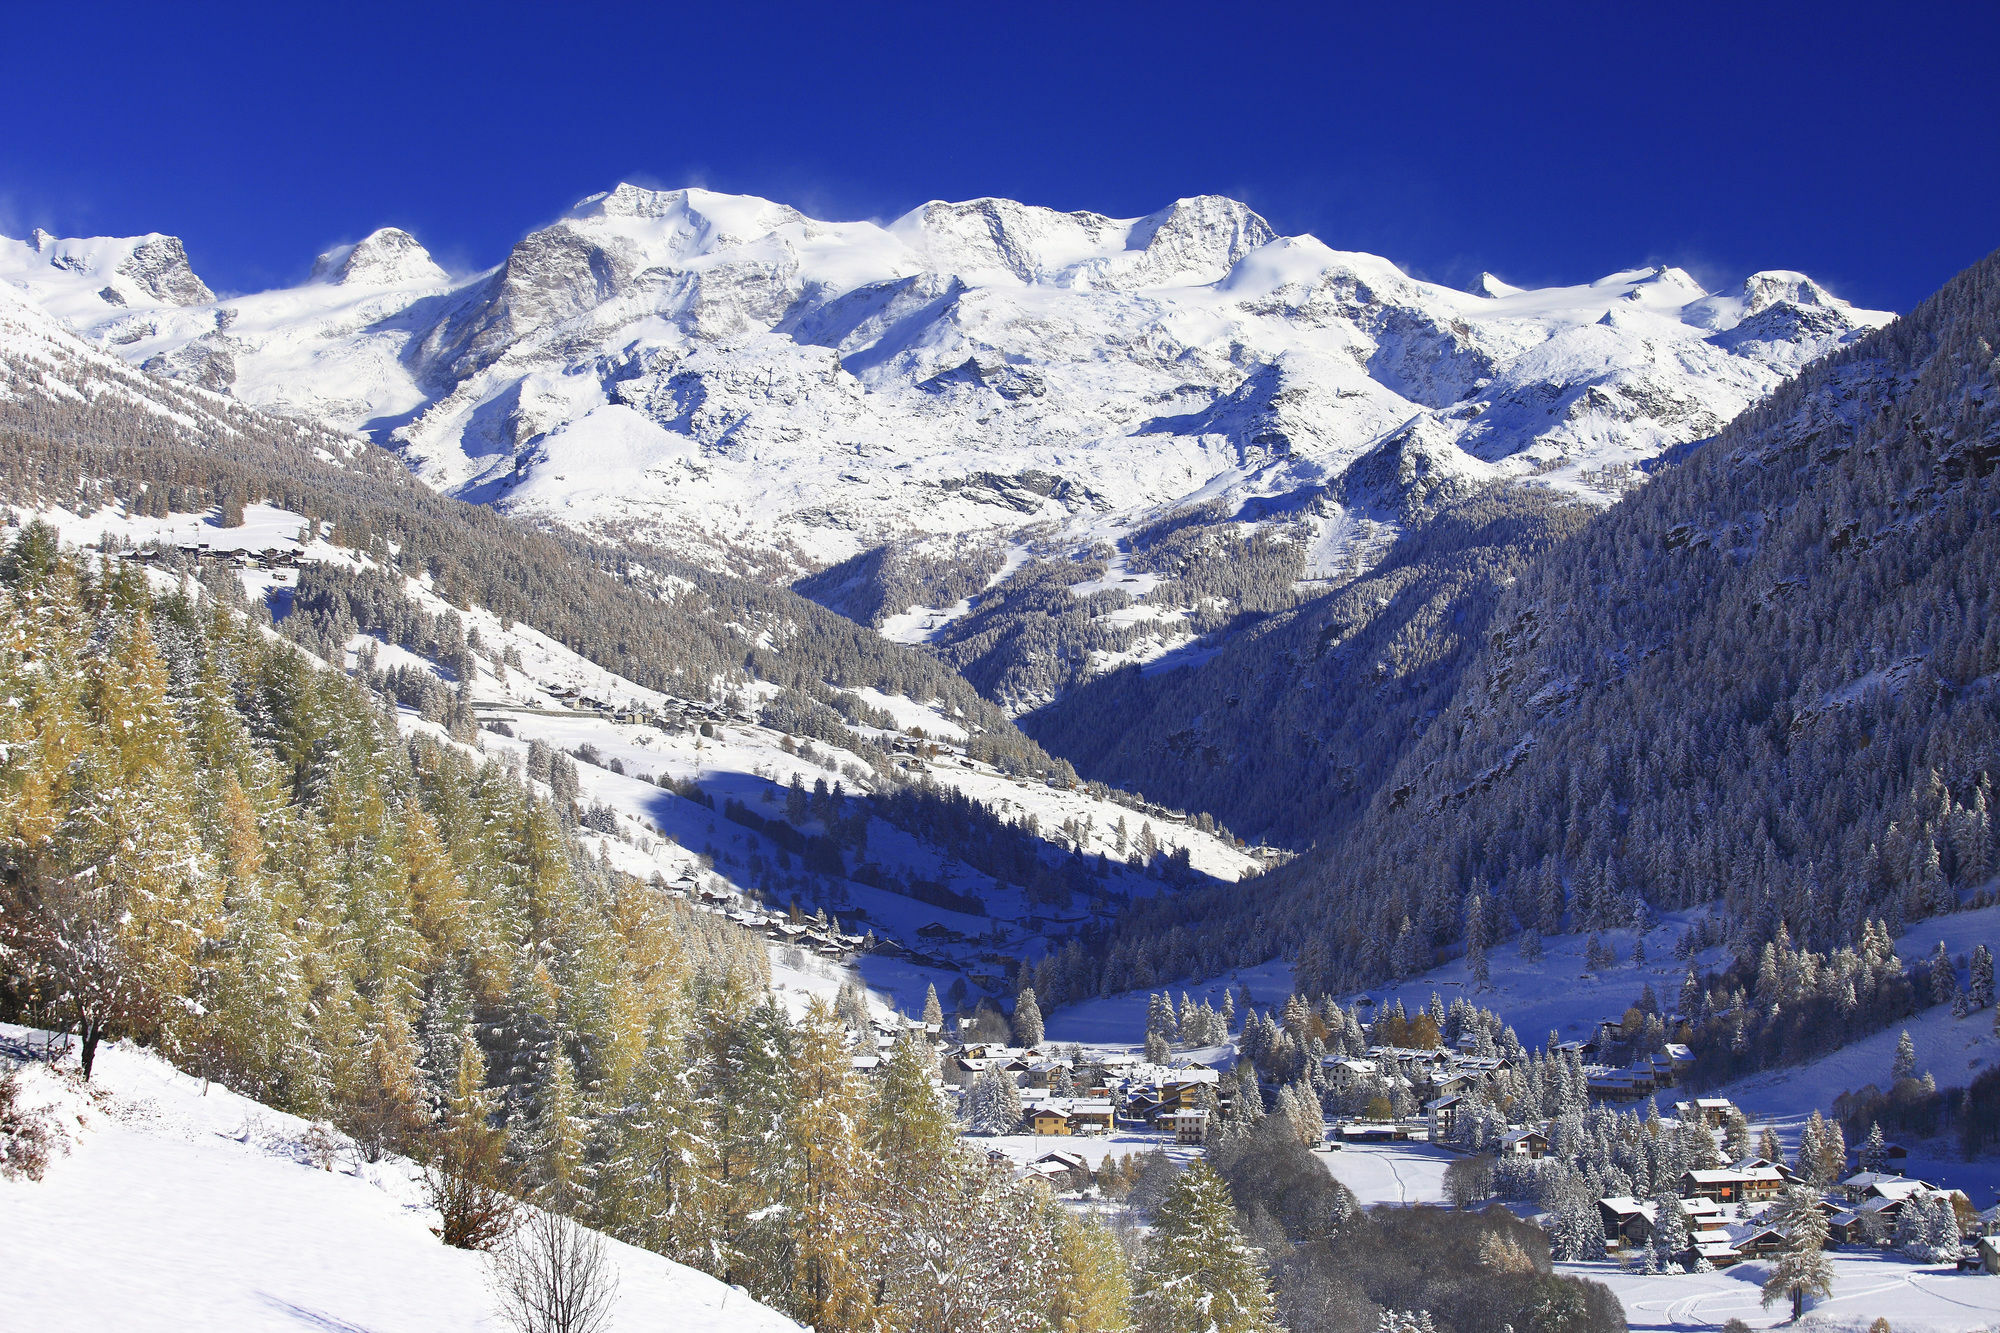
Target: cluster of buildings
813,934
1063,1095
1725,1211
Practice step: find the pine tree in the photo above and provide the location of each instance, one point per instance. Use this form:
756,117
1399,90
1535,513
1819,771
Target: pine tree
1905,1065
933,1011
1198,1273
1027,1019
1801,1269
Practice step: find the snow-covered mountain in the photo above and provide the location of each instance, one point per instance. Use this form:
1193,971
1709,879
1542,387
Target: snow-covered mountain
756,388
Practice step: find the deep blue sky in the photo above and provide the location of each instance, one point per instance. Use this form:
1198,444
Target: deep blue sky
1861,144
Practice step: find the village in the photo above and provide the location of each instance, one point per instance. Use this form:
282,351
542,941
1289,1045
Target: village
1074,1109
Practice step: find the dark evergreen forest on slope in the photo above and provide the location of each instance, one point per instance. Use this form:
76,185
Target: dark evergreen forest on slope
1286,732
1766,681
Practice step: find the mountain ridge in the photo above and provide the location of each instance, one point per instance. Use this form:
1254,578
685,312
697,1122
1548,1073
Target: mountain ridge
715,372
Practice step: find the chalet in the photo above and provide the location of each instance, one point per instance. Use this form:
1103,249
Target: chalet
1988,1251
1050,1119
1063,1170
1043,1073
1752,1239
1529,1143
1441,1115
1761,1163
1729,1185
1091,1115
1459,1083
1141,1107
1627,1221
1371,1131
1621,1085
1713,1245
1880,1185
1703,1212
1708,1112
1863,1223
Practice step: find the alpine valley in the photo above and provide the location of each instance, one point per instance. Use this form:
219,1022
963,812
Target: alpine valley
675,735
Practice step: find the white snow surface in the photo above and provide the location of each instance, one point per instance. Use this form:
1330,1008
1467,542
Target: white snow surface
705,370
183,1205
1916,1298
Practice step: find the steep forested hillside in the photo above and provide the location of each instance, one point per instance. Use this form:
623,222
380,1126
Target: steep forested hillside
1288,729
1766,681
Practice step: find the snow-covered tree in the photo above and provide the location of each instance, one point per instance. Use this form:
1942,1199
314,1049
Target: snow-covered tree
1198,1274
1905,1063
992,1103
1027,1019
1801,1269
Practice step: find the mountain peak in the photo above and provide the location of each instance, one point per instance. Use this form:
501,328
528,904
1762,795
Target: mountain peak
1768,288
386,257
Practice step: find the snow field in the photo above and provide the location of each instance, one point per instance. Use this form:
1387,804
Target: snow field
1914,1298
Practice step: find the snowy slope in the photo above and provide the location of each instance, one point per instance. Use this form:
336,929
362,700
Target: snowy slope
183,1205
555,695
728,377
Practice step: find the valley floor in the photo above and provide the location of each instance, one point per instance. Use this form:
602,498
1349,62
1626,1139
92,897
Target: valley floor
1915,1298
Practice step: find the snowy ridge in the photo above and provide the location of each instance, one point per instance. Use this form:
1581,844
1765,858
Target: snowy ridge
733,379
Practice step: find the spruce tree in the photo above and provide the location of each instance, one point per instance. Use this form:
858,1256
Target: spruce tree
1198,1273
1905,1064
1027,1019
1801,1269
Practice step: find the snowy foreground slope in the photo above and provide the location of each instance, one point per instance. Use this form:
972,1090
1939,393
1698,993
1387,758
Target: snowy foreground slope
182,1205
755,388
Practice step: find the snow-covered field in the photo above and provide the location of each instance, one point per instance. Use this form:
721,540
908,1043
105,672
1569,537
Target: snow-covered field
1093,1148
1914,1298
1121,1018
184,1206
1390,1172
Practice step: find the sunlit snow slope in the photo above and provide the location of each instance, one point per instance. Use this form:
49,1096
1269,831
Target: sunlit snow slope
180,1205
